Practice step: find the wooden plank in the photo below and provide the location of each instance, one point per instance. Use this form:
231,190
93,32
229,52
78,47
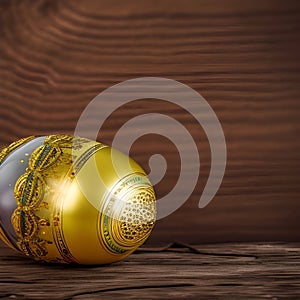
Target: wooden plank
244,58
272,272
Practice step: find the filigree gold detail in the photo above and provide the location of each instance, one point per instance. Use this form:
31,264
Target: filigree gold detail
14,146
129,215
37,195
138,216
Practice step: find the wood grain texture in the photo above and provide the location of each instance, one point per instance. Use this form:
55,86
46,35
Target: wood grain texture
271,273
55,56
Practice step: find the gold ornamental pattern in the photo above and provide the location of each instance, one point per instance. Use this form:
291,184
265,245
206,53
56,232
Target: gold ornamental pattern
128,215
14,146
37,218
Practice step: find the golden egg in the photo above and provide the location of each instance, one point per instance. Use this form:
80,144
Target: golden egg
68,199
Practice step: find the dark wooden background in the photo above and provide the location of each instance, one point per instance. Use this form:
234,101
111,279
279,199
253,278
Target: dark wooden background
242,56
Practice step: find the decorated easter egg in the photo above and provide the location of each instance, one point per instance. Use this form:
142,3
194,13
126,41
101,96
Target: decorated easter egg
66,199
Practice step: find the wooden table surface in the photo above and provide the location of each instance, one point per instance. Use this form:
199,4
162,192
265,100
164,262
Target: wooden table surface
255,271
243,57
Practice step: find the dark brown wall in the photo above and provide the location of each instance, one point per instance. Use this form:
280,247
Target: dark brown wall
242,56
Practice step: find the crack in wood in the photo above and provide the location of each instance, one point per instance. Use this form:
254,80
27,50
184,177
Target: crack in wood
137,287
177,246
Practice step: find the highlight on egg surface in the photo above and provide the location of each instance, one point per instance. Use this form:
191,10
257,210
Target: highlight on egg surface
62,201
